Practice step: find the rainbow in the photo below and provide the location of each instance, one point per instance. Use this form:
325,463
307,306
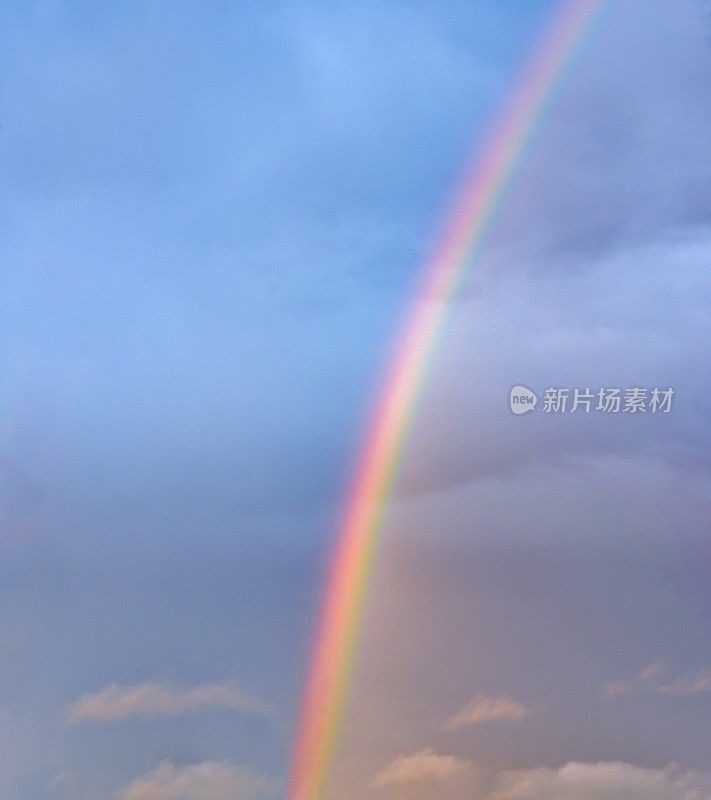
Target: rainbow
332,655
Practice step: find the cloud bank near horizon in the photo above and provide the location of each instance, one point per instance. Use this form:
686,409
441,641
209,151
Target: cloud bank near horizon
208,780
603,780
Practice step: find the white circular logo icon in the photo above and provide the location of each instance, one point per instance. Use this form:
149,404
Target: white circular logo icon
522,400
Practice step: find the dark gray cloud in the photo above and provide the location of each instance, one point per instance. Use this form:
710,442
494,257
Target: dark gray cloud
617,159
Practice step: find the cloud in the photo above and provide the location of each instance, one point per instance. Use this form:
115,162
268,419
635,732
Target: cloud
594,270
606,327
647,678
154,699
487,709
653,680
209,780
594,180
423,766
602,781
605,780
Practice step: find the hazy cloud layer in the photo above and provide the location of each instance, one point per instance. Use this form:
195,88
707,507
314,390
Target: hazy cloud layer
487,709
619,161
154,699
637,319
595,272
209,780
423,766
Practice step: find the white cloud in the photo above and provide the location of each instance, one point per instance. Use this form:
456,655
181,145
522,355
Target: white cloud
609,780
209,780
653,679
153,699
487,709
423,766
602,781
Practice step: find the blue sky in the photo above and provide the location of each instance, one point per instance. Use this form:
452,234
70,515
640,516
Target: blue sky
211,219
201,202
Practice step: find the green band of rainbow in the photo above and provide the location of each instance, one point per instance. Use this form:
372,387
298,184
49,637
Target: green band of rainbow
343,600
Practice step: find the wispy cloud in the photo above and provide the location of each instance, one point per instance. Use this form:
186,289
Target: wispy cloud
209,780
487,709
153,699
423,766
654,680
